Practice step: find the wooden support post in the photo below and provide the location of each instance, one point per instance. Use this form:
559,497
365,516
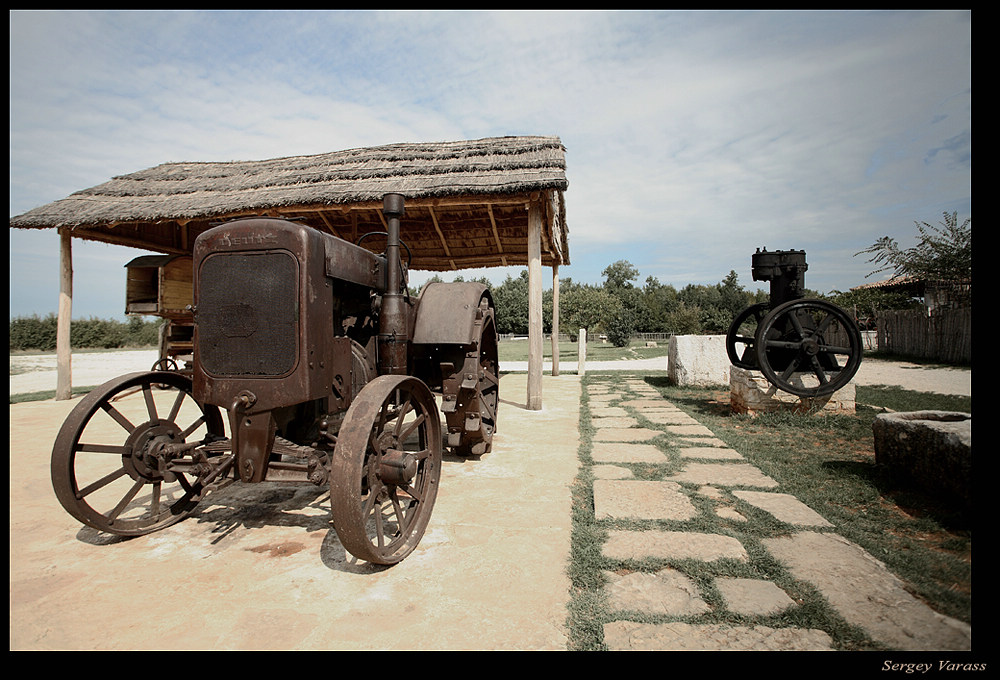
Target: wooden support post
534,306
555,319
64,358
581,352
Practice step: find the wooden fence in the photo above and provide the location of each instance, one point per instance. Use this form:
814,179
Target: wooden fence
946,335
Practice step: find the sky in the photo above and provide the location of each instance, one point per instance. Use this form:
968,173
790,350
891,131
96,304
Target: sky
692,137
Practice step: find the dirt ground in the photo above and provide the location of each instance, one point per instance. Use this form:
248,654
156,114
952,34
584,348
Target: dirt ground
259,567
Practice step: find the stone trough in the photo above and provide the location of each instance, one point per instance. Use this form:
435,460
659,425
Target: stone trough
932,449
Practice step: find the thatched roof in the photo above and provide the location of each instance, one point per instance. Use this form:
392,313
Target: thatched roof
465,201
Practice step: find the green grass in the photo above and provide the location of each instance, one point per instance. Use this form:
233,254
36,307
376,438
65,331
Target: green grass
827,462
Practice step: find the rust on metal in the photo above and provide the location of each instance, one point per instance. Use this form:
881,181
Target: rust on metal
327,369
807,347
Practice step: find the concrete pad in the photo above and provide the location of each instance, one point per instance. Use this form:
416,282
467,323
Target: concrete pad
260,566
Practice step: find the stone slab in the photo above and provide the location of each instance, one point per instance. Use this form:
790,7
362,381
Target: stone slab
614,421
618,452
750,393
635,499
625,434
668,417
608,411
784,507
698,360
866,594
642,404
627,636
703,441
667,592
690,430
625,545
724,474
611,472
709,453
753,597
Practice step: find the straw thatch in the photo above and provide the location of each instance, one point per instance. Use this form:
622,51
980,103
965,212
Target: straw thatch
465,201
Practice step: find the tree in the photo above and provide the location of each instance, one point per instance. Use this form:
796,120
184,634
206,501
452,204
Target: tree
586,307
511,301
941,254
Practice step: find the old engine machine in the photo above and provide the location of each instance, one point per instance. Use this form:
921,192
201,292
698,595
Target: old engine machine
807,347
312,364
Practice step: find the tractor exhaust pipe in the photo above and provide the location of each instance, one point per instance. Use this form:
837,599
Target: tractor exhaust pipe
393,320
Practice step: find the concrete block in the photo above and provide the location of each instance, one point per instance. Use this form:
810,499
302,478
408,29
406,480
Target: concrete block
698,360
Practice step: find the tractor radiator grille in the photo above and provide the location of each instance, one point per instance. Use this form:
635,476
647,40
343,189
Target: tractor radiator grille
248,314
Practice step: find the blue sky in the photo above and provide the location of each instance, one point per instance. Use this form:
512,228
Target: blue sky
692,138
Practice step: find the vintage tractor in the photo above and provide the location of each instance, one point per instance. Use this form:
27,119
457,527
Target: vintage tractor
807,347
326,370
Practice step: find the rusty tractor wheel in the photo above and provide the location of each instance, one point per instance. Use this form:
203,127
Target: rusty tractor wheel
385,469
808,341
108,463
740,338
165,364
480,391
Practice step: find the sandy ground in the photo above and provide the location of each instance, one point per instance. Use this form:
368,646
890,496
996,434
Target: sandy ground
259,566
35,373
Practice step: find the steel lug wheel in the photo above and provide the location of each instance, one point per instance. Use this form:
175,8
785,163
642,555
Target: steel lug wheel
741,336
110,458
479,395
808,348
385,469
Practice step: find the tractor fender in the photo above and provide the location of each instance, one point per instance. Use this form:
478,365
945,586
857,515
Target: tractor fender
447,312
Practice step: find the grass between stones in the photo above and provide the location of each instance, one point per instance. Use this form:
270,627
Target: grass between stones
828,463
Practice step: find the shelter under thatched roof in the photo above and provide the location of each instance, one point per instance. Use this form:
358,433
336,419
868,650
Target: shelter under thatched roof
481,203
466,202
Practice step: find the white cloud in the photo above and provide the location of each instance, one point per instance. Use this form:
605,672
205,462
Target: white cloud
692,137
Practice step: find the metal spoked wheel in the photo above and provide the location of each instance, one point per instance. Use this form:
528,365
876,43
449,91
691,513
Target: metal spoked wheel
808,341
385,469
108,467
483,389
165,364
741,336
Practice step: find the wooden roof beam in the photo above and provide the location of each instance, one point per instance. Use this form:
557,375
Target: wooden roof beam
496,234
444,241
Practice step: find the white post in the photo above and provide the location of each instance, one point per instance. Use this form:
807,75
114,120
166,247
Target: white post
64,357
581,351
534,307
555,319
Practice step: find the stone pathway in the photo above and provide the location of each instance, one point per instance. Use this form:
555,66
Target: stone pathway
635,425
